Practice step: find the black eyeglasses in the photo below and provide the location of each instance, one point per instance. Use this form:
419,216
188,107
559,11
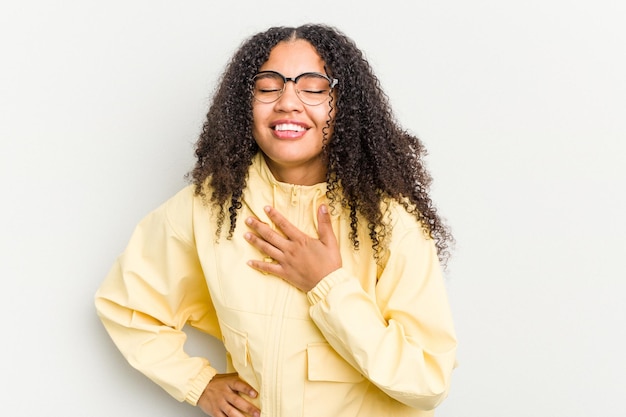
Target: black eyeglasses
312,88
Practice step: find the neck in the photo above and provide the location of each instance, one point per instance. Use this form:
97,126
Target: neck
310,174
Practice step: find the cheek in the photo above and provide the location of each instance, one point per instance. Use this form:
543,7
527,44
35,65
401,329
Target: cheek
327,116
257,118
323,112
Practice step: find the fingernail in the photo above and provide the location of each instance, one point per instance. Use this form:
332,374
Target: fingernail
252,394
247,236
324,209
267,209
249,220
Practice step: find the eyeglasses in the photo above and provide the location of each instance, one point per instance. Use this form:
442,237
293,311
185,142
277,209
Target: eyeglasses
312,88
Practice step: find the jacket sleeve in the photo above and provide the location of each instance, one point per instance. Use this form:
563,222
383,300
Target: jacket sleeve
403,341
153,289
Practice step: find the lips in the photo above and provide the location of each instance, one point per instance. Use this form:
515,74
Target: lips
289,129
289,126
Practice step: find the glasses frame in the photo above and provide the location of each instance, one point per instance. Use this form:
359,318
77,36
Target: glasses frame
332,83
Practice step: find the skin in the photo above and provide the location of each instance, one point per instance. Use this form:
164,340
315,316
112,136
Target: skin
299,259
295,158
222,397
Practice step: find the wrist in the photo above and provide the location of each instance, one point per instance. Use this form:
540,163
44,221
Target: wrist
323,287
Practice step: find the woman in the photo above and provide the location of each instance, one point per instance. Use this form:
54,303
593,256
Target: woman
307,242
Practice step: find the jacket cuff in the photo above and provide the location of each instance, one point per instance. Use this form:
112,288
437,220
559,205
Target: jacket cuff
321,290
199,384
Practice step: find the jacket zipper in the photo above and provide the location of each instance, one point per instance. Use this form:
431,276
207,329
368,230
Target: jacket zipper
274,364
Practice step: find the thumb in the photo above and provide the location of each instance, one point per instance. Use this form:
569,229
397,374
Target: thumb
325,228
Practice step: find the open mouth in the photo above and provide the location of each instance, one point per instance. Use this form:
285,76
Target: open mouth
283,127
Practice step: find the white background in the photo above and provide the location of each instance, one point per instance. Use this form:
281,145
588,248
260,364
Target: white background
521,105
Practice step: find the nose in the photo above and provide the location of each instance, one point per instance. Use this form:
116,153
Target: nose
289,100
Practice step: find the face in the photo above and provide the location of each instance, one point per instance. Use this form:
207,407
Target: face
289,132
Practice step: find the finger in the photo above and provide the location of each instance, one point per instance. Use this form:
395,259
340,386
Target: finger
291,231
262,245
267,267
243,387
325,228
266,233
241,405
229,410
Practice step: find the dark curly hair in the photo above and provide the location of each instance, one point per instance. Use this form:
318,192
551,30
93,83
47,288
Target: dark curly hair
370,157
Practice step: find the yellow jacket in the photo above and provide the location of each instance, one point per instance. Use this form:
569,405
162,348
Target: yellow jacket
366,341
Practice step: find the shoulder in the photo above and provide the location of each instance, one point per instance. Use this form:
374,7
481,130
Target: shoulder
401,216
405,226
409,243
177,213
182,202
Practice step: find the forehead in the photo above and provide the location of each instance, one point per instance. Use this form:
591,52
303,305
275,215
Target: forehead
292,58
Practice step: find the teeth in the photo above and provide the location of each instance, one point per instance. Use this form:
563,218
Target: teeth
289,126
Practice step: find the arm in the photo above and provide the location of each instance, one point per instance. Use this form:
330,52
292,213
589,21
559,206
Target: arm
403,340
154,288
401,337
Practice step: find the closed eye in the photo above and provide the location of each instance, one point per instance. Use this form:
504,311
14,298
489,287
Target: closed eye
314,91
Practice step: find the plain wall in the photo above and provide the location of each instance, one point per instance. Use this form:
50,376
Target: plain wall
521,105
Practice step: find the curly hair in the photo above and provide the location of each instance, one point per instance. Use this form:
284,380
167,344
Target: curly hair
371,159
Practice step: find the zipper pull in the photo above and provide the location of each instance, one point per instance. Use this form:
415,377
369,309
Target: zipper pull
294,195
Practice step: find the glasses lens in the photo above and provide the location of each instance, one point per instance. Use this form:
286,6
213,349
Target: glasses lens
268,87
313,89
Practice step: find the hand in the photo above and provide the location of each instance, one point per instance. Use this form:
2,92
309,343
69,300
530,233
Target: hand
222,397
297,257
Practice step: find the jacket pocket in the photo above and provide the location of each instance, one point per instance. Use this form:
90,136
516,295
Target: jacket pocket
238,355
325,364
236,343
333,387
